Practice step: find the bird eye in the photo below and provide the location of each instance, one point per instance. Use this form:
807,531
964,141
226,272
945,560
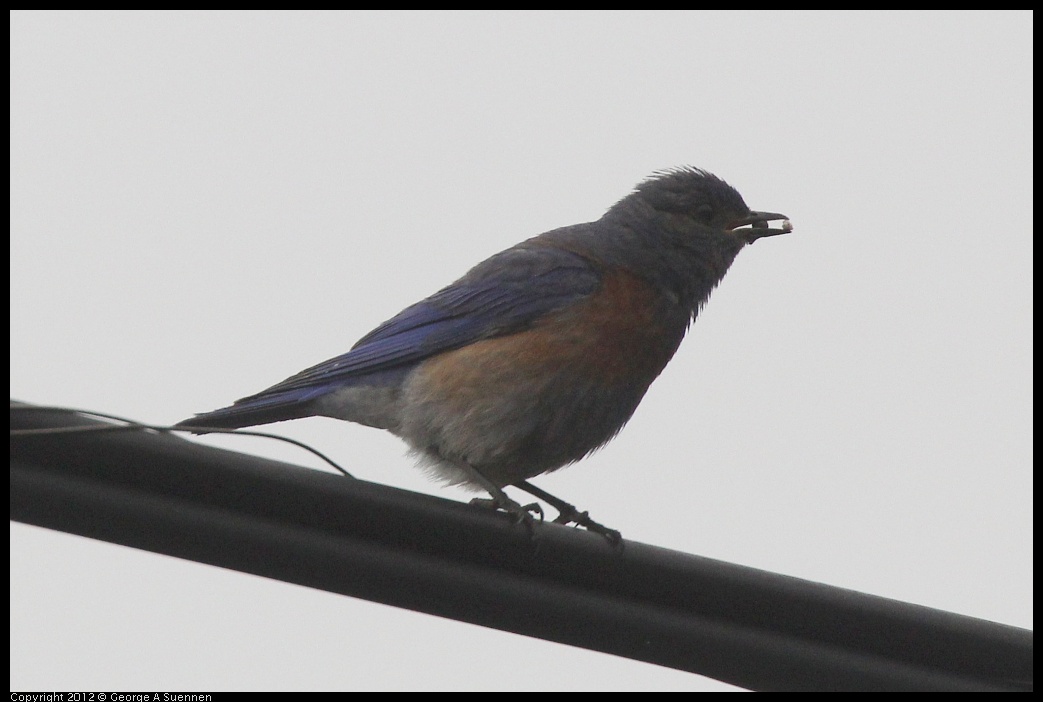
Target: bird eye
704,212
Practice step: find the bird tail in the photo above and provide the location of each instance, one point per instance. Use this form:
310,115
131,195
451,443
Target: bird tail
257,409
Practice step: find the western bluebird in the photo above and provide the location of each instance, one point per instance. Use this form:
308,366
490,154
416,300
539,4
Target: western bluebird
538,355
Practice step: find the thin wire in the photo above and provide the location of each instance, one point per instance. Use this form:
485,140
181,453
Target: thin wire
568,513
131,425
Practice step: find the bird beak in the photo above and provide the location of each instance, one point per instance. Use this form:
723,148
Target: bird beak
759,228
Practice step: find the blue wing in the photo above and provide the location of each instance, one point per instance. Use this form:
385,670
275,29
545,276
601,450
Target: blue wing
502,295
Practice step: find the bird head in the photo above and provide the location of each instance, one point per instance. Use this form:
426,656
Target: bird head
697,195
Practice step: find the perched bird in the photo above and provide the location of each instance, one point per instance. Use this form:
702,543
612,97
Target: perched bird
538,355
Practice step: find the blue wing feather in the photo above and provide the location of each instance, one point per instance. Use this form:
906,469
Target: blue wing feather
502,295
497,297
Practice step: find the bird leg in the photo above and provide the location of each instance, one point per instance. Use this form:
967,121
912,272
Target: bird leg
569,514
500,501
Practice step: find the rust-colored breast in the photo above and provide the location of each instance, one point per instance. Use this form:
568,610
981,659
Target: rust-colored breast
524,404
624,334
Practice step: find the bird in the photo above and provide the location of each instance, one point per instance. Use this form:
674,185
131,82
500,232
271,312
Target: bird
539,355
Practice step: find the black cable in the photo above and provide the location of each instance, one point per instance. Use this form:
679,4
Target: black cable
751,628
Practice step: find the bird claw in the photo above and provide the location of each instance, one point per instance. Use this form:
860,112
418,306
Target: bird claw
569,514
523,514
582,519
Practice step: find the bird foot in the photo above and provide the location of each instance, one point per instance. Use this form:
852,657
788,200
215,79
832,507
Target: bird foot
582,519
568,514
523,514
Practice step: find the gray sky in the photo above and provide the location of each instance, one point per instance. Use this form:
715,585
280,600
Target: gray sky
205,203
